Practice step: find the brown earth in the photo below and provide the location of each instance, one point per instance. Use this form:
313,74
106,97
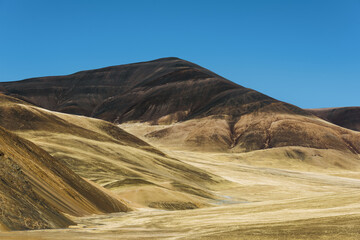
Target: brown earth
250,132
347,117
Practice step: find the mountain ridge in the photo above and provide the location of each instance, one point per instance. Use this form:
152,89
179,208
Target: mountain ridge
347,117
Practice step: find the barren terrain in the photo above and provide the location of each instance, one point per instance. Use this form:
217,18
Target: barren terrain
347,117
167,149
266,201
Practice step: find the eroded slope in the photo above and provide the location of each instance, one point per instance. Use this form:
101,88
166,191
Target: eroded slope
255,131
111,157
36,188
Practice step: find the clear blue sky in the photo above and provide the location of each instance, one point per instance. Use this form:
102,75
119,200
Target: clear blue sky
305,52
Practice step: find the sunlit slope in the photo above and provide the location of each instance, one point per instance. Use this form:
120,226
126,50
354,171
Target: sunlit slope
36,188
274,196
253,131
105,154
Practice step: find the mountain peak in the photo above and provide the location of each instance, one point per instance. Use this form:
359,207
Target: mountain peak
168,59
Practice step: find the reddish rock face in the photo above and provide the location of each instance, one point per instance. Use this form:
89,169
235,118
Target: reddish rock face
347,117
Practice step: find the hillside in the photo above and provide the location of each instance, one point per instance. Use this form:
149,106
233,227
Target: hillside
36,189
347,117
162,91
105,154
202,111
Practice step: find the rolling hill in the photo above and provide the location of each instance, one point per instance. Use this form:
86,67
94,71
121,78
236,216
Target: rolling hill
105,154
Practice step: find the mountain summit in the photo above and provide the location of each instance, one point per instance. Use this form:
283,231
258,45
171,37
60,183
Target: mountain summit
163,90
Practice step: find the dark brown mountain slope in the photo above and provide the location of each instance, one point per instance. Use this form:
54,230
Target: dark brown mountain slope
347,117
168,88
36,189
213,113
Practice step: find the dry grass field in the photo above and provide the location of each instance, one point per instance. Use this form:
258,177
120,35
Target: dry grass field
275,194
118,161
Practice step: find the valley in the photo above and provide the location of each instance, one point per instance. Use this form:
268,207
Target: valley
264,202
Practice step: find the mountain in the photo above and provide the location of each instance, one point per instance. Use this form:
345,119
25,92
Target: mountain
36,189
199,109
163,91
101,152
347,117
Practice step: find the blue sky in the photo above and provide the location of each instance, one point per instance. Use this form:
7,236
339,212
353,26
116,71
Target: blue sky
303,52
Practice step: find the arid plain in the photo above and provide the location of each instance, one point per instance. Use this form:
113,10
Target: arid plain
271,197
178,152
